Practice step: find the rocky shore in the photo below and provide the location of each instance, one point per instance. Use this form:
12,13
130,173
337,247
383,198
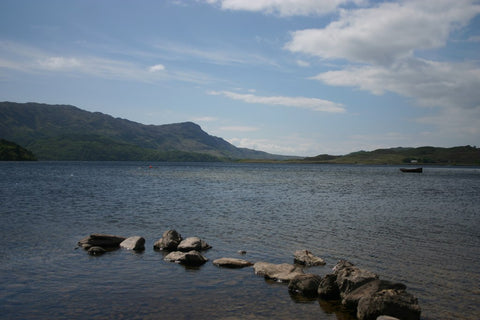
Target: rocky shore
360,291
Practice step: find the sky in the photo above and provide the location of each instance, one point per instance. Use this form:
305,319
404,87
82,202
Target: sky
290,77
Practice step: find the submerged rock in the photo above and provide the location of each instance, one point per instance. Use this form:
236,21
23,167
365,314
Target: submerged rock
96,251
305,284
133,243
100,240
169,241
192,258
306,258
397,303
193,243
279,272
232,263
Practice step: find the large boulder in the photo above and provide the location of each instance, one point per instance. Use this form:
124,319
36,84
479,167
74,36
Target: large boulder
306,258
328,288
100,240
232,263
279,272
136,243
350,277
351,299
191,258
305,284
390,302
169,241
193,243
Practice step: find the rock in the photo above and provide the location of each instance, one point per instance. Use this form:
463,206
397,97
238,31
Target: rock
191,258
305,284
232,263
96,251
169,241
328,288
350,277
133,243
100,240
193,243
389,302
242,252
306,258
279,272
351,299
387,318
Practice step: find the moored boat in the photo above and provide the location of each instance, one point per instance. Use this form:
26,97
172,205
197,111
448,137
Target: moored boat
418,170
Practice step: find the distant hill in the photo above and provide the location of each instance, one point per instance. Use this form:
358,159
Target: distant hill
64,132
464,155
10,151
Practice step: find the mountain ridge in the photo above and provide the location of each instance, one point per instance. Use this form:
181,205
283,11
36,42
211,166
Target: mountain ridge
66,132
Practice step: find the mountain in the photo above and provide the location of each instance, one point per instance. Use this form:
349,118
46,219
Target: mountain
463,155
10,151
64,132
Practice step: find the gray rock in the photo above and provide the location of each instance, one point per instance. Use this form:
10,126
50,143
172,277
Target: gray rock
169,241
96,251
391,302
279,272
133,243
387,318
191,258
351,299
328,288
193,243
100,240
232,263
350,277
305,284
306,258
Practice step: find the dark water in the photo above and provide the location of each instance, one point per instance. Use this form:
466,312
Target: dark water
419,229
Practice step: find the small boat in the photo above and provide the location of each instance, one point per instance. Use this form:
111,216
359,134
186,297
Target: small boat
418,170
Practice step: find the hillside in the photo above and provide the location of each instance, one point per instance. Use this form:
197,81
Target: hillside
64,132
464,155
10,151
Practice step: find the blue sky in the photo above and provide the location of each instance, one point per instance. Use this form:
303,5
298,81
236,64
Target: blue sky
294,77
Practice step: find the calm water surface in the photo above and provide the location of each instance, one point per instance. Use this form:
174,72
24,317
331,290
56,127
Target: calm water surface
419,229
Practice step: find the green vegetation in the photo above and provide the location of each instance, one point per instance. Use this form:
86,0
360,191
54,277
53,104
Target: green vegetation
466,155
10,151
62,132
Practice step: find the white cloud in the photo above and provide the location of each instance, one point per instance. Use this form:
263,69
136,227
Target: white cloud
387,32
238,128
313,104
441,84
284,7
205,119
302,63
57,63
157,67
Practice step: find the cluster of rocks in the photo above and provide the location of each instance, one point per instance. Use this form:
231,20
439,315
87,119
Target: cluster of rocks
359,290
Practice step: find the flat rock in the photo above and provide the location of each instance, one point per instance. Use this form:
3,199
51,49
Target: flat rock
280,272
306,258
100,240
193,243
389,302
351,299
169,241
232,263
191,258
136,243
305,284
350,277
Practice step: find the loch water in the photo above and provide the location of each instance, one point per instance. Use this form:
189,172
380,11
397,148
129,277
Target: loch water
419,229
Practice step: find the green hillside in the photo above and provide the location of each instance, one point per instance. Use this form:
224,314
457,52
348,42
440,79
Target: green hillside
465,155
10,151
63,132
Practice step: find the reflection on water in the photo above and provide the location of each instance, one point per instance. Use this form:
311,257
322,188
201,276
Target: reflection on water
422,230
